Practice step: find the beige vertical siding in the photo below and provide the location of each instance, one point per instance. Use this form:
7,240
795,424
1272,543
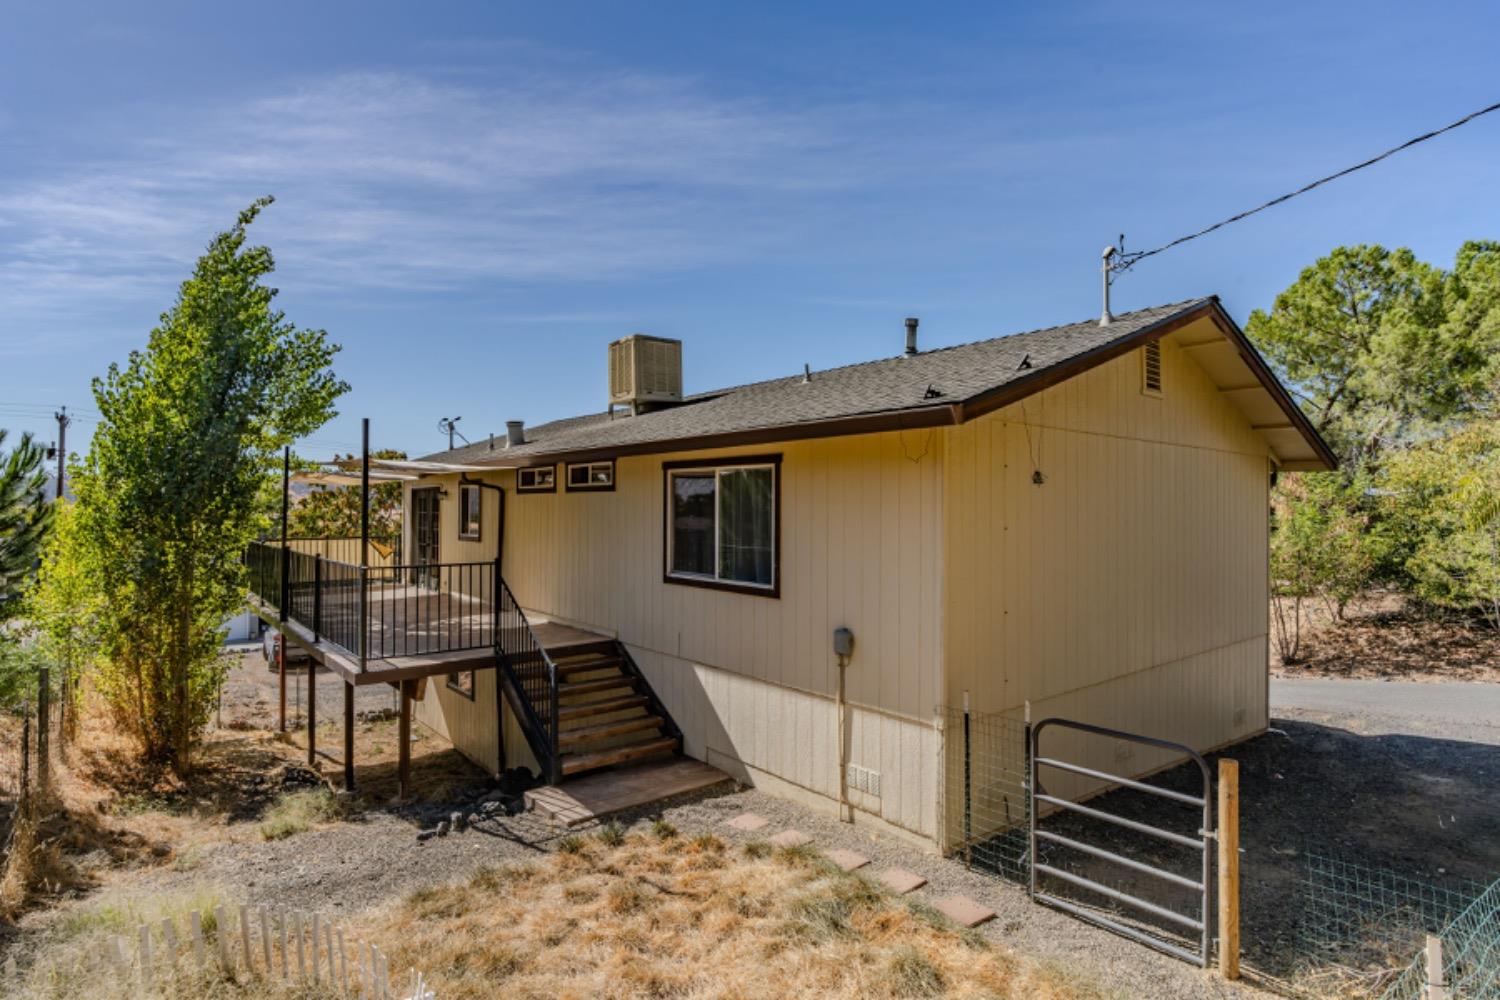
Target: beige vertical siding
1129,589
751,679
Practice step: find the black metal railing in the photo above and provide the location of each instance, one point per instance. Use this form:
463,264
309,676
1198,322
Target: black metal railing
530,675
378,611
430,608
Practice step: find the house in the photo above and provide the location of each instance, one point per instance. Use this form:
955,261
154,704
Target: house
1070,522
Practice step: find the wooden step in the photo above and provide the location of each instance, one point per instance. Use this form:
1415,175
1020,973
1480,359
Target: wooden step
587,666
593,687
587,708
604,730
574,763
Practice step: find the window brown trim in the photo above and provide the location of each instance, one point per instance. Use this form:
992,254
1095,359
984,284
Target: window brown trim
537,489
479,512
722,462
453,685
568,468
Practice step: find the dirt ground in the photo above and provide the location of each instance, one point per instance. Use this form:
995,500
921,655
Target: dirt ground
1383,638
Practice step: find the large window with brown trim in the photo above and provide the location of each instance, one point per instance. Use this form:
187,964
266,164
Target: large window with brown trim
723,523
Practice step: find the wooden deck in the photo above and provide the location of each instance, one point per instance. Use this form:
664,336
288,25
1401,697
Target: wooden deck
556,638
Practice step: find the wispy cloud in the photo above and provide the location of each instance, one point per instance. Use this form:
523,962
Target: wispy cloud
432,182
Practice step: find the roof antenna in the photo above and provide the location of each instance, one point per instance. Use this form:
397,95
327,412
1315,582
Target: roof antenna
1105,318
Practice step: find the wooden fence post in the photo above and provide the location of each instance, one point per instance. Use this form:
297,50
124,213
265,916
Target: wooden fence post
1437,985
1229,868
245,939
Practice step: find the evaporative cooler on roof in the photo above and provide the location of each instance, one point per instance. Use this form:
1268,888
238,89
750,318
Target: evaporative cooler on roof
644,369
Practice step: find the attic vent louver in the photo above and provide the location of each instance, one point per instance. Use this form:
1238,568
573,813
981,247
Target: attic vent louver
1151,368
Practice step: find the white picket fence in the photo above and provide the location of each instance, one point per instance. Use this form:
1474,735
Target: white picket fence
292,946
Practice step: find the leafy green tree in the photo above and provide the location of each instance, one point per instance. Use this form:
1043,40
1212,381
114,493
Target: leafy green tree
1380,347
1445,497
24,517
333,512
174,485
63,608
1321,549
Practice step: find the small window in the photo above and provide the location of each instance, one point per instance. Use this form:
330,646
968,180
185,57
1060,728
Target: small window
468,511
538,479
1151,368
591,476
722,525
463,683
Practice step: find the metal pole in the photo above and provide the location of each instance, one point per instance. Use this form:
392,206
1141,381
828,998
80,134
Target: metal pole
968,801
286,504
364,544
63,420
318,597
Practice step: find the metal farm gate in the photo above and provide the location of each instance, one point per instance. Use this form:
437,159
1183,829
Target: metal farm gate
1200,841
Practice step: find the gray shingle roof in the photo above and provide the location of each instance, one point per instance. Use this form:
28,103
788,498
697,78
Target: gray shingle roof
884,386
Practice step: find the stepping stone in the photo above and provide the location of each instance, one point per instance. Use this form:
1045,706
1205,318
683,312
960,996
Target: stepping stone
748,822
847,860
900,881
791,838
964,911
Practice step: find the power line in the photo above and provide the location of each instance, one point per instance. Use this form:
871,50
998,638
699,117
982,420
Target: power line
1124,260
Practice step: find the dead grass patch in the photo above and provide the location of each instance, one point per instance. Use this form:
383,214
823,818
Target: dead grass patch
667,917
298,811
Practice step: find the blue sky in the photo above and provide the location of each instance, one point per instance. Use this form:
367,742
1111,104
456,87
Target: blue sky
474,198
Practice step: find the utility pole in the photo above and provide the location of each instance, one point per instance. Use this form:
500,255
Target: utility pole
63,420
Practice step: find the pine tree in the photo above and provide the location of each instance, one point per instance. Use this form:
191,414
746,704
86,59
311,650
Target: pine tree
24,517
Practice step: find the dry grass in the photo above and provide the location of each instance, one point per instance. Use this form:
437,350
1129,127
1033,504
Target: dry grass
299,811
660,916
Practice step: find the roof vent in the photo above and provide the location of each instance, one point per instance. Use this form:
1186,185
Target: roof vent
911,335
644,370
515,433
1151,368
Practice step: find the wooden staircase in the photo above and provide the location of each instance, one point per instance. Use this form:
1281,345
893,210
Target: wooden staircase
583,706
607,714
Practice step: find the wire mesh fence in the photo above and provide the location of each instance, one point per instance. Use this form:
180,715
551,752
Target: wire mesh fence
32,734
1470,955
984,792
1369,920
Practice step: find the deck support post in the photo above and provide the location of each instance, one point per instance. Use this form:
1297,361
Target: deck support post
281,675
312,712
403,740
348,737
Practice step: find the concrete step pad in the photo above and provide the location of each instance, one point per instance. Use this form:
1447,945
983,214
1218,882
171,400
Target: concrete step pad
964,911
791,838
846,860
748,822
900,881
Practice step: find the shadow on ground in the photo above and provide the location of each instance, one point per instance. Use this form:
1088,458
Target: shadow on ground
1426,807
